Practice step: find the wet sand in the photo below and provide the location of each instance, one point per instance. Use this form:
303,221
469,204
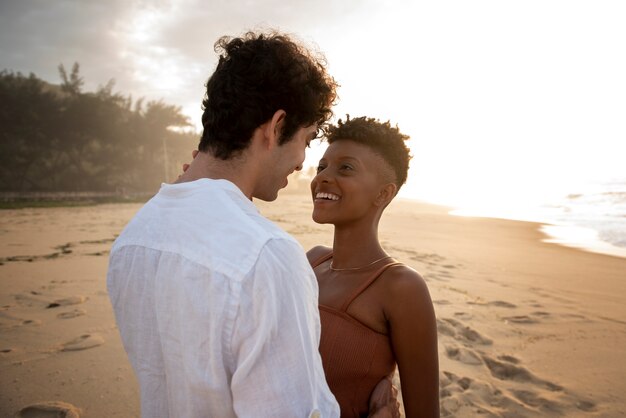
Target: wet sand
526,328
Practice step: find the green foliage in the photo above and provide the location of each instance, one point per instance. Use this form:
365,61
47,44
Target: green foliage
58,138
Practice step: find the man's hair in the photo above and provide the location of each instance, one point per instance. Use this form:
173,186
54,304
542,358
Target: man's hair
258,74
384,139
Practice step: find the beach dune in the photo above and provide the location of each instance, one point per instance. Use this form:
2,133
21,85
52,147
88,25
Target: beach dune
526,328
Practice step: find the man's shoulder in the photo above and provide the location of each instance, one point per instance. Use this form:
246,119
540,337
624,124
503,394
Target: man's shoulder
212,225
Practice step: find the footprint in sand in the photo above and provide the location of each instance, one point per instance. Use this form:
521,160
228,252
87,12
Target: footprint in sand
50,409
548,295
83,342
520,319
502,304
72,300
464,396
496,303
30,299
71,314
467,397
437,276
509,359
463,315
65,248
459,331
98,241
462,354
617,321
278,219
532,318
536,401
580,317
504,370
441,302
533,303
8,321
450,383
585,405
430,259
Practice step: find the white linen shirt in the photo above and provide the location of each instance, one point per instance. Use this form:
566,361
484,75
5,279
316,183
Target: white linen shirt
217,309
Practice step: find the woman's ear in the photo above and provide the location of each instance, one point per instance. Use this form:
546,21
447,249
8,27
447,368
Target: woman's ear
274,128
386,194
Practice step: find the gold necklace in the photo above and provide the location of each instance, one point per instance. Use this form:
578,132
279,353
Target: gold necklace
357,268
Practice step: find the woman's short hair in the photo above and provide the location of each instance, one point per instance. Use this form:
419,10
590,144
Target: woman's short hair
381,137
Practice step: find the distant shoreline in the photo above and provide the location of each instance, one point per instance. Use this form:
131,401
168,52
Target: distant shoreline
554,234
22,200
558,233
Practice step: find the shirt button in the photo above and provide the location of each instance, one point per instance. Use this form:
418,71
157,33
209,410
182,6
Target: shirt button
315,414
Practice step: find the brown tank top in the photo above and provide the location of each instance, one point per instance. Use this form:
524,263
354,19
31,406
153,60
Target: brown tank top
355,357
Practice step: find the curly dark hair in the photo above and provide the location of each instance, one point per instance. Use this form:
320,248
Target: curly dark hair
381,137
258,74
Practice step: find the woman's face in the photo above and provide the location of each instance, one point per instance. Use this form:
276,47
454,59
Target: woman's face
348,181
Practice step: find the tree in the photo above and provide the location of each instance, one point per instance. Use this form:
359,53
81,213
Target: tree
160,118
29,112
72,84
58,138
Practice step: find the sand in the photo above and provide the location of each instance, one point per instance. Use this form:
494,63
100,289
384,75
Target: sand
526,328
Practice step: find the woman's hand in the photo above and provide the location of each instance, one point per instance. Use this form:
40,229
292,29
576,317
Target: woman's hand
193,155
186,165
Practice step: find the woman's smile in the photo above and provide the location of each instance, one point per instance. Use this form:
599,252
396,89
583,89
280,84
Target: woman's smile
323,196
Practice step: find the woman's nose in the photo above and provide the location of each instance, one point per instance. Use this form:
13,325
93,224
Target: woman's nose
321,177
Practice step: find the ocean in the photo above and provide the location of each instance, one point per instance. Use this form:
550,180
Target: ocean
591,216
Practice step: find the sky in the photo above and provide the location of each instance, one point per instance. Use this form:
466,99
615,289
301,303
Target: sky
506,102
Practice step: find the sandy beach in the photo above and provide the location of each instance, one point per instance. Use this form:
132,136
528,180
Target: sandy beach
526,328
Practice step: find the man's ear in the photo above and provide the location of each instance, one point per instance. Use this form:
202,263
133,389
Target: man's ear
274,128
386,194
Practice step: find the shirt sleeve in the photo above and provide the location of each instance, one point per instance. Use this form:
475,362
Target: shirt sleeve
275,340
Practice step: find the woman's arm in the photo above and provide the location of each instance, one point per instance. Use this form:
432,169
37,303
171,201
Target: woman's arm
413,329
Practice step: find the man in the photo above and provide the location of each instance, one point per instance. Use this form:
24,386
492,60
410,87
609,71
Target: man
216,306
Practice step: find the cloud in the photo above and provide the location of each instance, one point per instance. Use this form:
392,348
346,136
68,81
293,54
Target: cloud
38,35
157,49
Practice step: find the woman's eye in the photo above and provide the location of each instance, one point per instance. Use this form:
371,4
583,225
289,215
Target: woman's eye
346,167
320,168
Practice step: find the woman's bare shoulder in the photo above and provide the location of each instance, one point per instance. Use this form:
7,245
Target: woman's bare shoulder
405,283
317,252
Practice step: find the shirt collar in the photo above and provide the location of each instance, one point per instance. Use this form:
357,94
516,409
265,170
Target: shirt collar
190,187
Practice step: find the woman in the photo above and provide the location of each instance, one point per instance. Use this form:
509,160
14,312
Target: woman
375,312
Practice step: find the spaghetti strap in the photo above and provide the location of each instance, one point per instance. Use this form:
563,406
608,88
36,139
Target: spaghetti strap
367,284
321,259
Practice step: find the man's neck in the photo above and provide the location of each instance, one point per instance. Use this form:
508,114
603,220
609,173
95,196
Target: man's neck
234,170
